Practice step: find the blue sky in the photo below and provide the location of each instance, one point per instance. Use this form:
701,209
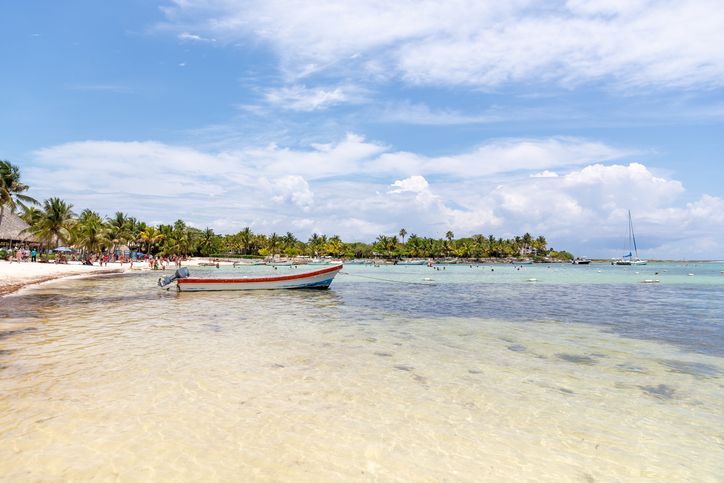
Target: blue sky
359,119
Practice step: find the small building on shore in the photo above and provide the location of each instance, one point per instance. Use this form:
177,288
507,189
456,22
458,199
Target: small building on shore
13,231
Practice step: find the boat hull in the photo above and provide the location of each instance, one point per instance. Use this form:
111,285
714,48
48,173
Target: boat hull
630,262
318,279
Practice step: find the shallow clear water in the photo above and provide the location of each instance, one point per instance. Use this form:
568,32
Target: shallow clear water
473,374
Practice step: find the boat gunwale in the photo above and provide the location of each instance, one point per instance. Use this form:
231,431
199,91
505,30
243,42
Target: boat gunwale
278,278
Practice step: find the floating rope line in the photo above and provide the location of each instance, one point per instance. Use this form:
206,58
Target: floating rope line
388,279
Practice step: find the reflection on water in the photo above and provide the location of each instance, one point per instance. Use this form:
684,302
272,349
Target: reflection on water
106,378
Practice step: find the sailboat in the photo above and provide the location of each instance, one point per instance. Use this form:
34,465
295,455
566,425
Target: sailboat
632,257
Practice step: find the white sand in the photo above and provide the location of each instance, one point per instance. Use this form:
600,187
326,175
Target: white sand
14,275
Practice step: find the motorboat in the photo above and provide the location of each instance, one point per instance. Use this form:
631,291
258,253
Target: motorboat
319,279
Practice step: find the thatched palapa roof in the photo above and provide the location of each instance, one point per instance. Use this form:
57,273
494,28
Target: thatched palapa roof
12,226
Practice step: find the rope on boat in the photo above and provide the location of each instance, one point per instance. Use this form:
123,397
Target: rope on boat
387,279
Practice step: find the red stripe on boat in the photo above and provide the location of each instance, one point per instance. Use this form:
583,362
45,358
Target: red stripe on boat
280,278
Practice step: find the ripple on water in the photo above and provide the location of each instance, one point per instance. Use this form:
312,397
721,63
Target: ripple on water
696,369
516,348
662,391
577,359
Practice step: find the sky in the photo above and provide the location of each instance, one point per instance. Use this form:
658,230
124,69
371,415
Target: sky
362,118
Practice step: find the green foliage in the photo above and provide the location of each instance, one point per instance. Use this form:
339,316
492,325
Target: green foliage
55,223
561,255
12,189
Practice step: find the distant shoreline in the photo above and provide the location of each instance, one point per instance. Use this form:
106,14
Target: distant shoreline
651,260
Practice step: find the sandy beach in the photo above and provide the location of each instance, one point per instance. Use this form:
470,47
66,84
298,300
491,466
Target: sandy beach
14,276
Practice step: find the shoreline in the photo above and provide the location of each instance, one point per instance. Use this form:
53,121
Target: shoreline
16,276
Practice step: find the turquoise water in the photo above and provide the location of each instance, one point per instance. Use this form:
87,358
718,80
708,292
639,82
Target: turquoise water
395,374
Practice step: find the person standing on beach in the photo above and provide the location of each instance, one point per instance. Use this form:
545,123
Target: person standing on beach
34,255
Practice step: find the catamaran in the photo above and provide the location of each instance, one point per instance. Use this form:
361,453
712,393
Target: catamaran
632,257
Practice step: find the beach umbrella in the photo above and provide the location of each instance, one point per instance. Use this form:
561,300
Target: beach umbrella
63,249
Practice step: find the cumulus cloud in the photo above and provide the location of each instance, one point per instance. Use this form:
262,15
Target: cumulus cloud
293,189
413,184
359,189
632,44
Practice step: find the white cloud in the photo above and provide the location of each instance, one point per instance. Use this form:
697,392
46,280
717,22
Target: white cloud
359,189
480,43
422,114
294,189
413,184
194,37
300,98
545,174
504,156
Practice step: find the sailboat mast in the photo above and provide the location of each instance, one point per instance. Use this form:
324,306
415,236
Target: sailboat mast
633,235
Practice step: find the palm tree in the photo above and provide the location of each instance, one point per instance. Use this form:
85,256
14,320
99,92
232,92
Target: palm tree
403,234
449,245
527,241
245,238
540,245
118,230
181,238
31,215
316,244
334,247
11,189
207,242
150,236
414,246
290,240
89,232
54,224
387,244
479,241
274,241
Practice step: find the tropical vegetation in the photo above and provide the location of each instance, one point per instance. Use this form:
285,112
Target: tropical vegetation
12,189
54,222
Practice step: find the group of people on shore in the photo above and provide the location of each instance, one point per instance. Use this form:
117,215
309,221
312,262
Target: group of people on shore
19,255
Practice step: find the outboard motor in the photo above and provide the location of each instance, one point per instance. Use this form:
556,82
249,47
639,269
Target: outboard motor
182,272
